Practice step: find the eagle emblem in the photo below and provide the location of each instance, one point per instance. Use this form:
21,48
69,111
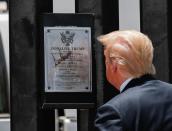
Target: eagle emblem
67,37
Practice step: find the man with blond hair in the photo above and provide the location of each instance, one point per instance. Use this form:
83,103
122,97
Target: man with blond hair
144,103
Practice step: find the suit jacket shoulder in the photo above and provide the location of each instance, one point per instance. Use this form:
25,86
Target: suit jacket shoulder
138,107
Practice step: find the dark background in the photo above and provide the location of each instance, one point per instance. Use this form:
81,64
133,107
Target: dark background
25,113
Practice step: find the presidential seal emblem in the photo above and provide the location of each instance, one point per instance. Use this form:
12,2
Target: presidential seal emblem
67,37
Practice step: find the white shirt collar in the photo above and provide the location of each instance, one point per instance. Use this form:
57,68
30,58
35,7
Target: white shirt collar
124,84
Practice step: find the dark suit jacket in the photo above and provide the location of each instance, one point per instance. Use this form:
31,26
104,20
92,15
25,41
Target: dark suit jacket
144,105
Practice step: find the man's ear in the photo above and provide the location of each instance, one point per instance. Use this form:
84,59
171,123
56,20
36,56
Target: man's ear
114,66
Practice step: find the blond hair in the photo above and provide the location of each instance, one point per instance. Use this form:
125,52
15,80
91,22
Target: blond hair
132,50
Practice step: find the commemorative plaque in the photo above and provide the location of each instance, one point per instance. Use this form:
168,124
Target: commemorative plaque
67,61
68,65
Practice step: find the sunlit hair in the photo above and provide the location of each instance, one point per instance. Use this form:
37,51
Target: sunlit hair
132,50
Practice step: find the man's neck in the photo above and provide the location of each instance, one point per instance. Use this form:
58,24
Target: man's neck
121,78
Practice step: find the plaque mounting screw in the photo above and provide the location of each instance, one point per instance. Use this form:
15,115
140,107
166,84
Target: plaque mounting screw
49,87
86,31
86,88
48,30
